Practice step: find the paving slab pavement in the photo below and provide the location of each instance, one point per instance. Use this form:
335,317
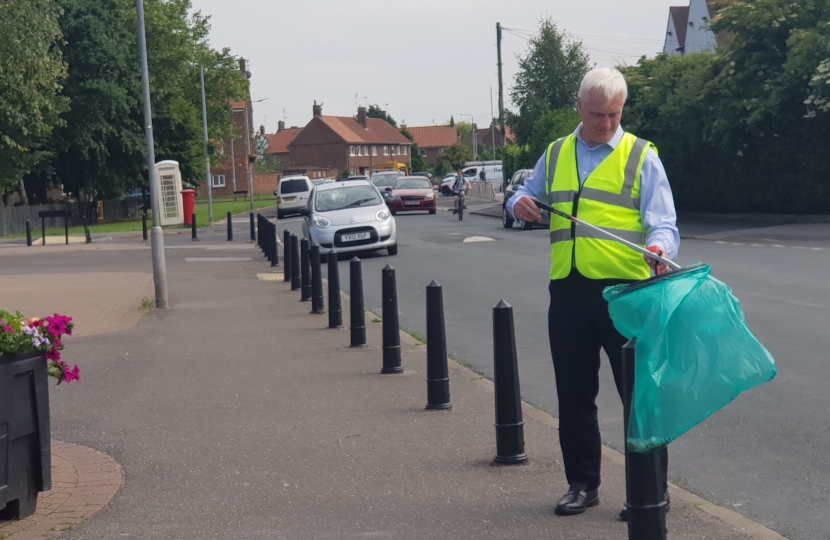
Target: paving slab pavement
237,414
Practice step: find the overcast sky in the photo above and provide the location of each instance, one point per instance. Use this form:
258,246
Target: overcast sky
424,59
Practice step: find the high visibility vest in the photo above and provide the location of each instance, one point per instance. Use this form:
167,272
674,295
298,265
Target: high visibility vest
609,198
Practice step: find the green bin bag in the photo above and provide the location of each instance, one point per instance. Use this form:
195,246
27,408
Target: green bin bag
694,352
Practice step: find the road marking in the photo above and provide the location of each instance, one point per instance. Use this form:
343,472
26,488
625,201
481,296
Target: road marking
778,245
229,248
275,276
217,259
454,233
478,239
722,242
817,249
799,247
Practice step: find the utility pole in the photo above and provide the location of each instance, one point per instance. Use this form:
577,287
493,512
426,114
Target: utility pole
501,90
248,159
207,153
157,237
492,125
233,163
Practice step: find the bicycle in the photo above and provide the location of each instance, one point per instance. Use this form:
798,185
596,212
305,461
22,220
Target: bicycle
459,208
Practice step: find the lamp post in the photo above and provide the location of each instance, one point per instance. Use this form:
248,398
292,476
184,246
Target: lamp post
157,237
248,146
473,126
207,153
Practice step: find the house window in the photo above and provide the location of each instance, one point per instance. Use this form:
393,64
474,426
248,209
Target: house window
219,180
359,150
374,150
353,173
424,153
385,150
404,149
365,150
351,150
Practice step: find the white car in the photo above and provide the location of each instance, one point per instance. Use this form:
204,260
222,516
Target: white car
350,215
293,194
446,183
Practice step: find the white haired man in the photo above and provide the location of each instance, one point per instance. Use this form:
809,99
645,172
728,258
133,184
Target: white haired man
614,180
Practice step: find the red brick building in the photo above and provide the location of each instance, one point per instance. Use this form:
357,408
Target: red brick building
432,140
328,145
278,144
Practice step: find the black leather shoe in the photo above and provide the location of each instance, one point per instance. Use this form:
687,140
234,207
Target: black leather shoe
576,500
624,512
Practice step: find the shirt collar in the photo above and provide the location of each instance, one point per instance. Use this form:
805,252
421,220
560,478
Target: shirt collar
615,140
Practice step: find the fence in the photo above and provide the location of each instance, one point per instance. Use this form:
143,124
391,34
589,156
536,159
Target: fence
482,190
13,218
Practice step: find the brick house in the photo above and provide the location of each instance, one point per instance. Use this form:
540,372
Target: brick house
432,140
345,143
486,137
278,144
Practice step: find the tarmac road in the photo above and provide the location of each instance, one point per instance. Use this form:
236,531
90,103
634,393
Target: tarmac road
765,455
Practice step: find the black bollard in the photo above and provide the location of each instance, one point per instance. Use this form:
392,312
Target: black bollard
43,228
335,309
391,330
230,227
28,233
286,256
643,471
144,226
358,314
438,374
510,438
272,238
317,303
259,227
295,263
194,236
253,228
305,271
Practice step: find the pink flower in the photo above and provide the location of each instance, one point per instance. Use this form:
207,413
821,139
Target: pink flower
53,354
73,374
8,329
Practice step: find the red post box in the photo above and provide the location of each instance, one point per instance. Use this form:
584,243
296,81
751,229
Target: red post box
189,205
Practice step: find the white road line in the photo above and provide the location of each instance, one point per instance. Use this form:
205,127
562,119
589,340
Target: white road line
478,239
217,259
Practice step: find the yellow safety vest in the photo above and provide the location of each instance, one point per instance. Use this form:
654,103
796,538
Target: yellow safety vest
609,198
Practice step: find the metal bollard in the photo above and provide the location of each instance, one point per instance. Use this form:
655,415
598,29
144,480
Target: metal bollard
230,227
438,374
43,229
510,438
286,256
317,303
295,263
272,239
144,226
28,233
194,235
305,271
335,306
643,472
391,330
358,314
253,229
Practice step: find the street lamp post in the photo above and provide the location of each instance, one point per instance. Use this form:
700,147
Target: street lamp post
248,160
473,126
207,154
157,237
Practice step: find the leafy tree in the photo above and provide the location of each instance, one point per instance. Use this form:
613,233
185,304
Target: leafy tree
551,126
375,111
548,78
452,158
31,71
464,129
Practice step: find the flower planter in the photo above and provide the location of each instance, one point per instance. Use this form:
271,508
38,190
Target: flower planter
25,440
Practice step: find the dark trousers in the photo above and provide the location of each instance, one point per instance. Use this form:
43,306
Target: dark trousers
578,325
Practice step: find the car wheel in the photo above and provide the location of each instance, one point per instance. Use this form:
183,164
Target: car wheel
525,225
280,214
392,250
432,212
506,220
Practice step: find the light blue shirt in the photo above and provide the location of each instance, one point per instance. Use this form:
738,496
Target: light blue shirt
656,202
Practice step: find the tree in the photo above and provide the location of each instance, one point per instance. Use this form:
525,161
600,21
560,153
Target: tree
551,126
31,71
464,129
548,78
452,158
375,111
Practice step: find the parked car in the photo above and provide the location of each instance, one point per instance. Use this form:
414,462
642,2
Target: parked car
358,177
424,173
318,181
446,183
293,195
350,216
507,219
385,180
410,194
493,173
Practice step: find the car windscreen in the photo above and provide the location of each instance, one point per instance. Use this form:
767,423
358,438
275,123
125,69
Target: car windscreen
385,180
413,183
340,198
293,186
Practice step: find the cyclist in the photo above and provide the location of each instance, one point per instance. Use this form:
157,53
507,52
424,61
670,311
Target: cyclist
459,188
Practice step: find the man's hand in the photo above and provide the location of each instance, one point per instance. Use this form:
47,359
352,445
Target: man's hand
658,267
525,210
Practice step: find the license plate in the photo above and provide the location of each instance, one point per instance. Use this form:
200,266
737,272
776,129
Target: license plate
355,236
289,199
412,203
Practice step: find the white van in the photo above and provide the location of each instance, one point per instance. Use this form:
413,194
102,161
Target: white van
292,195
492,172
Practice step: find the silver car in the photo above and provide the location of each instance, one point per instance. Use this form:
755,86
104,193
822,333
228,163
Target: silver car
350,216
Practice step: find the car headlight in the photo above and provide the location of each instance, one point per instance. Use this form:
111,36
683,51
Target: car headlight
382,215
321,222
429,196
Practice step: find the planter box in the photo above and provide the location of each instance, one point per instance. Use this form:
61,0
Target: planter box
25,439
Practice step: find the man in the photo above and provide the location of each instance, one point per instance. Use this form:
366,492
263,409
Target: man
459,187
613,180
482,176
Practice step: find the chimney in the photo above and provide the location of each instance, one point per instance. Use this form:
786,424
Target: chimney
243,65
361,116
280,126
262,130
383,115
452,121
317,109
